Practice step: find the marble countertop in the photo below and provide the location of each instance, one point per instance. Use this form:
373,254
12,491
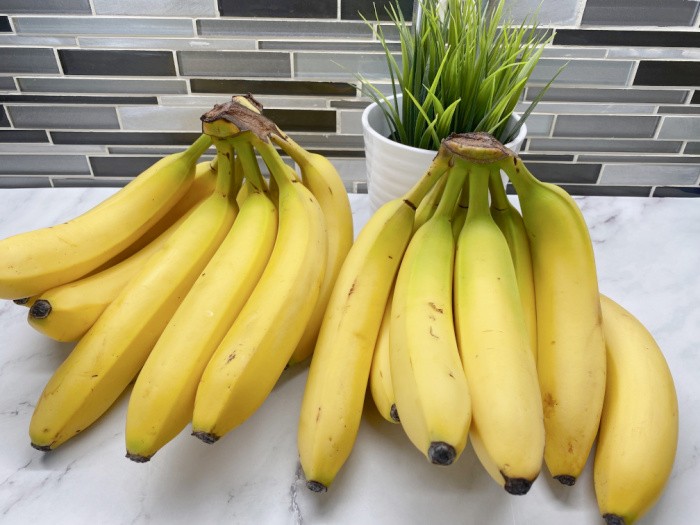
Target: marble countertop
648,255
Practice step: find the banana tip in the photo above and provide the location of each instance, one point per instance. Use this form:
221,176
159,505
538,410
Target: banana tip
43,448
40,309
138,458
207,437
394,413
613,519
21,301
441,453
517,486
564,479
316,486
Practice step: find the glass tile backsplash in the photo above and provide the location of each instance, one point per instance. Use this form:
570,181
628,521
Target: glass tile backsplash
99,89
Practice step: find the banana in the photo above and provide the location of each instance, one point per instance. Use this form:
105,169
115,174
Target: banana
322,179
112,352
429,204
163,396
494,345
335,388
429,383
511,224
571,348
638,432
380,384
36,261
245,367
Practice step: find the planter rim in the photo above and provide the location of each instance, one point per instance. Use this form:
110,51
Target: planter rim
369,129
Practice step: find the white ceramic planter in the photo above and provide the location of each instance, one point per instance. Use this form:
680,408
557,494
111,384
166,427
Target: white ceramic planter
393,168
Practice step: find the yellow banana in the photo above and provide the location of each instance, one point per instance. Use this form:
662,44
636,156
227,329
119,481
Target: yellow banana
39,260
335,388
111,353
163,396
253,354
426,208
380,384
512,226
67,312
431,389
638,432
494,345
570,348
322,179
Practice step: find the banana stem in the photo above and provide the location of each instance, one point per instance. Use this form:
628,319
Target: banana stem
442,161
291,148
198,147
226,177
456,175
278,169
499,199
478,190
251,170
519,175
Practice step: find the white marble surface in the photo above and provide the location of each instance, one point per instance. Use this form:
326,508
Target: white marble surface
648,253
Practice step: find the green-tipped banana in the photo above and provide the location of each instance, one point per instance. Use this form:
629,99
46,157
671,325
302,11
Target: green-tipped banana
638,432
494,345
570,344
431,389
36,261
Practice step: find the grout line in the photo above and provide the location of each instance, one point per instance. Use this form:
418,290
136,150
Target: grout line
292,68
338,11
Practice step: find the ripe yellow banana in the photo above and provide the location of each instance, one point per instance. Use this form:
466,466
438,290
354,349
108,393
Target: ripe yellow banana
335,388
42,259
67,312
570,344
429,204
638,432
380,384
509,220
431,389
253,354
494,345
163,396
113,351
322,179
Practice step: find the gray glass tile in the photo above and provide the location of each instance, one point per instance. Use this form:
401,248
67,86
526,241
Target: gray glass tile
624,95
8,181
319,141
360,187
604,145
597,190
64,117
27,60
636,38
117,63
665,53
5,26
685,109
649,174
670,191
101,85
31,40
589,108
560,172
176,44
350,122
605,126
68,99
680,128
279,8
234,64
159,151
88,182
189,8
340,65
104,26
545,156
44,165
550,12
351,104
355,9
639,13
642,159
692,148
162,118
22,135
583,71
573,52
4,122
46,147
282,28
667,73
62,7
113,166
304,45
107,138
7,84
268,101
271,87
539,125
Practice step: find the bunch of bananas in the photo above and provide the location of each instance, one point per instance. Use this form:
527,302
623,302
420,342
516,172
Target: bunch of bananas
199,281
470,321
